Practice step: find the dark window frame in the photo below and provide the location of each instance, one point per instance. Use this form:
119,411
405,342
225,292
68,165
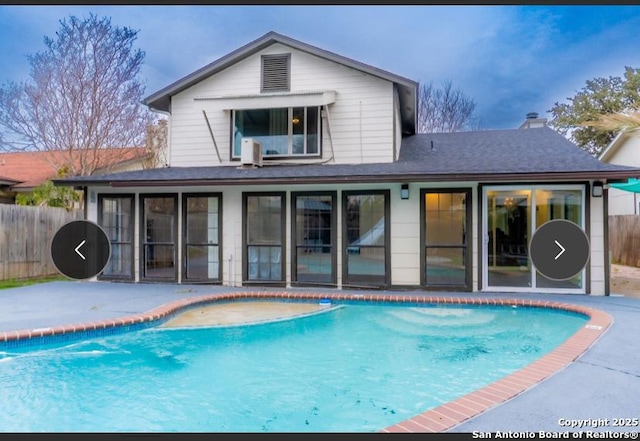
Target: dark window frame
143,241
468,284
283,242
269,157
373,281
186,244
334,236
131,197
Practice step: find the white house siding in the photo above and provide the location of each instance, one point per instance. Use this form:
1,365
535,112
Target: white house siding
596,243
361,119
622,202
405,236
627,153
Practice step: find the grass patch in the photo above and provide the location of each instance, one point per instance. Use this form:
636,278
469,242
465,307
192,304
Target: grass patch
15,283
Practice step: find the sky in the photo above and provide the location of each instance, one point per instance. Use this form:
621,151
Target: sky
510,59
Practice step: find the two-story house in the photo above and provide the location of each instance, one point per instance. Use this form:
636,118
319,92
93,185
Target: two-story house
294,166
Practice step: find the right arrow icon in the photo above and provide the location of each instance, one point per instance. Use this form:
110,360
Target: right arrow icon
561,249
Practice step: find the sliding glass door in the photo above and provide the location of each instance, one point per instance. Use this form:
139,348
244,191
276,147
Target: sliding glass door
511,215
509,230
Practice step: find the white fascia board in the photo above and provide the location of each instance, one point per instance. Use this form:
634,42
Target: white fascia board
273,100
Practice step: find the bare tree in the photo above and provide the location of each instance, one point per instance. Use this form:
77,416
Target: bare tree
444,109
82,96
156,145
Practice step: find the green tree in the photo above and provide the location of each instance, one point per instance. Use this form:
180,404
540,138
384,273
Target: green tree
600,96
51,196
83,95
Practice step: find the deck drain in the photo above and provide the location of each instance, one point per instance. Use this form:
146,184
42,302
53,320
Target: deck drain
594,327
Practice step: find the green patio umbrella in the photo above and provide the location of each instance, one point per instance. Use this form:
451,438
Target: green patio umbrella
632,185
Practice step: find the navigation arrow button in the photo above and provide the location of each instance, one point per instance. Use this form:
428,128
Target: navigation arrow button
88,241
545,250
82,243
561,248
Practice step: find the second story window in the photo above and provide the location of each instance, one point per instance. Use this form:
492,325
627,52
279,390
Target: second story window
282,132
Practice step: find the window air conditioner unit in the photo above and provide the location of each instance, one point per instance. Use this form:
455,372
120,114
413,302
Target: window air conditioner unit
251,152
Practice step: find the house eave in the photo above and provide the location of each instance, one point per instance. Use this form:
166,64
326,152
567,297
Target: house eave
607,176
613,146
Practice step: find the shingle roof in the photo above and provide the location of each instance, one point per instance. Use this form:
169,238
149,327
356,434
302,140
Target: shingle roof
485,156
536,150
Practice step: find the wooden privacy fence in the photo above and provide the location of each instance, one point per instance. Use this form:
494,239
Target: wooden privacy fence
624,239
25,237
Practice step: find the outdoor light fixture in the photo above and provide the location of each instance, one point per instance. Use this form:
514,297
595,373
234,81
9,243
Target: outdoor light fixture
404,191
596,189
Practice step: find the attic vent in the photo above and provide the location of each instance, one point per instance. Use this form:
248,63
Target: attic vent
276,72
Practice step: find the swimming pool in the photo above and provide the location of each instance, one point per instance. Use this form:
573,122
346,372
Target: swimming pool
354,368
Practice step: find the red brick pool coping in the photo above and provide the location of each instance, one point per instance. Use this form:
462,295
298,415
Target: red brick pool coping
438,419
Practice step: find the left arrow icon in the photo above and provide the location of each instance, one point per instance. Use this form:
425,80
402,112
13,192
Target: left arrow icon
78,247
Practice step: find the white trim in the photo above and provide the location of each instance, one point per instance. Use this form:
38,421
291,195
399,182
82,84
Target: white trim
532,228
273,100
613,146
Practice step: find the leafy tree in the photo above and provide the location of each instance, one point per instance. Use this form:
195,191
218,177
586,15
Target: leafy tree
51,196
444,109
83,95
600,96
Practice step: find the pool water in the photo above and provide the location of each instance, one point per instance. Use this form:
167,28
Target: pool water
352,368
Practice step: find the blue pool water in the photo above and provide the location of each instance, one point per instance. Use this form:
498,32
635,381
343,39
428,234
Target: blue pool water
353,368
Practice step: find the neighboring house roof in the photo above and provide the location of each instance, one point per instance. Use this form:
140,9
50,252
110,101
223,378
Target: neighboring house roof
30,169
161,100
486,156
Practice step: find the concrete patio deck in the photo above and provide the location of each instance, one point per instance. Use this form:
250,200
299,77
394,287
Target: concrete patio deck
602,384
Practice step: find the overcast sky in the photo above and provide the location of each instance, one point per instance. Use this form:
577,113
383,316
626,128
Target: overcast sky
510,59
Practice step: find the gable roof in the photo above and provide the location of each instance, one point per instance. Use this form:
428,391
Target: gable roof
161,100
30,169
615,144
484,156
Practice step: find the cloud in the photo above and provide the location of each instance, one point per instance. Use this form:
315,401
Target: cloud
511,59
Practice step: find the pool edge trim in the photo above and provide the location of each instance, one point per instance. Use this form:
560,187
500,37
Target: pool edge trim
439,419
